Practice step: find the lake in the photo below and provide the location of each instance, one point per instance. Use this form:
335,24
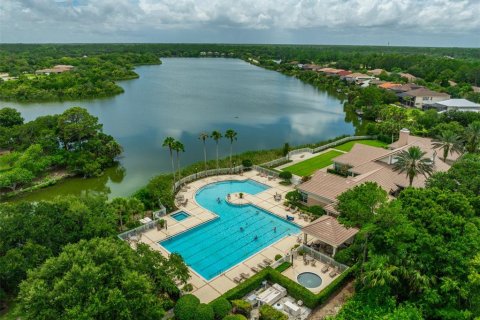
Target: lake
185,96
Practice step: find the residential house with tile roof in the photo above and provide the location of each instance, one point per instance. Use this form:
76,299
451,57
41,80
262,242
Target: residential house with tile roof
365,163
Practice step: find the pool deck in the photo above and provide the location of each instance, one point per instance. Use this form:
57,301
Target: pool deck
205,290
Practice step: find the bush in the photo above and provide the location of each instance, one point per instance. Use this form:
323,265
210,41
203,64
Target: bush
247,163
221,307
235,317
285,175
188,287
316,211
242,307
270,313
186,307
306,178
278,257
293,196
203,312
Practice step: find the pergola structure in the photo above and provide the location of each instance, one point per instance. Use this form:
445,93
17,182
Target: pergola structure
328,230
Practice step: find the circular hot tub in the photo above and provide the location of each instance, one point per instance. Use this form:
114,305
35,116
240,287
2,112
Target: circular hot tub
309,279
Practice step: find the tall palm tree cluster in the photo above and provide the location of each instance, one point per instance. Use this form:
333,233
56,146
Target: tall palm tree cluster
216,136
413,162
177,147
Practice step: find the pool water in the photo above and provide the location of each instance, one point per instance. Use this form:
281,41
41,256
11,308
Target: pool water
237,233
309,279
179,216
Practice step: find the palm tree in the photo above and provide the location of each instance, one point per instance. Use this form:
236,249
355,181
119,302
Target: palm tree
472,137
178,146
216,135
412,162
232,136
204,136
448,141
170,142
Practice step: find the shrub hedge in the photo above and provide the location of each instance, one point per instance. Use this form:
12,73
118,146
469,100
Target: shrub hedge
204,312
294,289
221,307
242,307
234,317
268,312
284,266
186,307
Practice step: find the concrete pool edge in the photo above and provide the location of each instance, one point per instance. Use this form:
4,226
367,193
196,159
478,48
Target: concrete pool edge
195,193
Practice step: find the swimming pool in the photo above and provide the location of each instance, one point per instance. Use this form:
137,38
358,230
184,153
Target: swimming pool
179,216
237,233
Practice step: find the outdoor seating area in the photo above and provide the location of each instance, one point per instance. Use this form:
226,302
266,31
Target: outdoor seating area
276,296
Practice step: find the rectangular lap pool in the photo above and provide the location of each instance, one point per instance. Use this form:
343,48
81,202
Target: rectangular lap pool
238,233
179,216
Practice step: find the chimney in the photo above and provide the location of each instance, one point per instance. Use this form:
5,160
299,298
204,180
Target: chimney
403,138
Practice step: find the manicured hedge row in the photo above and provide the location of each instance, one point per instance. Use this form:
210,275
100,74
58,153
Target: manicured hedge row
294,289
309,298
247,286
284,266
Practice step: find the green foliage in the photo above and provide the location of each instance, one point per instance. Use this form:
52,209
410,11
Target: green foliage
72,140
10,117
284,266
186,307
71,285
221,307
204,312
285,175
235,317
278,257
310,166
413,163
242,307
268,312
286,149
247,163
33,232
93,76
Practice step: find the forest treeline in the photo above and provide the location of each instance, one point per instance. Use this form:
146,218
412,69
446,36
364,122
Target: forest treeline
98,66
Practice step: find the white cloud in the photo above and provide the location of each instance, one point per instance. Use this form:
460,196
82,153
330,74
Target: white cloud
110,16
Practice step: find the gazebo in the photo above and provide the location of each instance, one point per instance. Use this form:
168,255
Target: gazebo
328,230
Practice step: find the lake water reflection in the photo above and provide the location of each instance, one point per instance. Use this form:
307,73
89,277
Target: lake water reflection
185,96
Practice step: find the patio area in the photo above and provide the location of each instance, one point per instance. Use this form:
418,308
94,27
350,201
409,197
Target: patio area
271,200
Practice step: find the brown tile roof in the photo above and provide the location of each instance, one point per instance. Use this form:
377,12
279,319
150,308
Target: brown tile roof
327,229
369,165
359,154
377,72
389,85
344,73
424,92
405,87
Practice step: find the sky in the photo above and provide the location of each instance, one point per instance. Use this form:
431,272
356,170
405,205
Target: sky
445,23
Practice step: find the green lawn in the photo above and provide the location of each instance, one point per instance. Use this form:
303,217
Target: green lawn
307,167
349,145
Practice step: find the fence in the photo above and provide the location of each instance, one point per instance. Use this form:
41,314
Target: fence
144,227
206,173
266,171
322,257
328,145
275,162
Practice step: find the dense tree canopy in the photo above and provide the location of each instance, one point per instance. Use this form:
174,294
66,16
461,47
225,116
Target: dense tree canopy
101,279
73,140
422,250
32,232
